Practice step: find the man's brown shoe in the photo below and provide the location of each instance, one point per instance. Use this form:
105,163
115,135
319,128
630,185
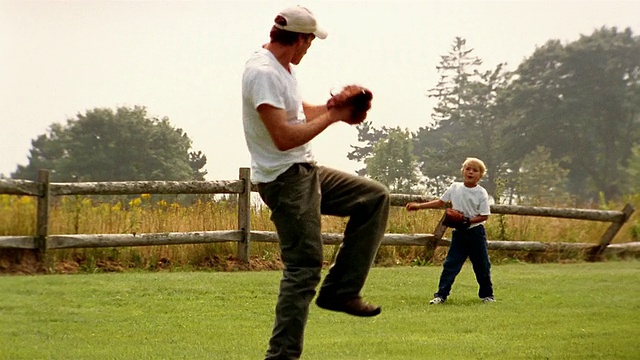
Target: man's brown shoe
353,306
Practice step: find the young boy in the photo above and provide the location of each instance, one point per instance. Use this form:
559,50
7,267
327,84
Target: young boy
470,242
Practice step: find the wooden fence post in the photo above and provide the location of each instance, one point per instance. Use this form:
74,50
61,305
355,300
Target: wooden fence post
605,240
244,215
438,233
42,218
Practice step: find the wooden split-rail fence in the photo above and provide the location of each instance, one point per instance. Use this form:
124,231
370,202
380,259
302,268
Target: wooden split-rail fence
43,241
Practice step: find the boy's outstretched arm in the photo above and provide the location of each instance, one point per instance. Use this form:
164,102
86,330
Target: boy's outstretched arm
433,204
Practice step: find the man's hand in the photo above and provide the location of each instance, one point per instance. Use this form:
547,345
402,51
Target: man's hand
355,98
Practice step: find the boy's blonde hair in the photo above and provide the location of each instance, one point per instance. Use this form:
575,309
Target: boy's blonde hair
474,161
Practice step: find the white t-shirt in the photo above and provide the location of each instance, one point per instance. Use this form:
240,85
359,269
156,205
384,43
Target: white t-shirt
266,81
471,201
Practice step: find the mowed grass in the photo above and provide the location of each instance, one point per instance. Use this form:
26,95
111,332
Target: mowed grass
544,311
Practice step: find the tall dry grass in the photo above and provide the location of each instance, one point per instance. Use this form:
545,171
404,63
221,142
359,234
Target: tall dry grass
155,214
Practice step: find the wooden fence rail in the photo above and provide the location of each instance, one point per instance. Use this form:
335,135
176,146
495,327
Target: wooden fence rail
243,235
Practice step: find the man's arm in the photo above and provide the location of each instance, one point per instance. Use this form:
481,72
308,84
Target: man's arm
313,111
288,136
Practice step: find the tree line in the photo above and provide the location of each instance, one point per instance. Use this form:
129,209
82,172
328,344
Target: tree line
565,125
125,144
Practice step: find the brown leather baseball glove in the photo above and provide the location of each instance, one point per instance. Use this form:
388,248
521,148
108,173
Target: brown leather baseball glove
356,97
455,219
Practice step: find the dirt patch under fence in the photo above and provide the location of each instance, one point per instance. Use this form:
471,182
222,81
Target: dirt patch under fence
26,262
20,262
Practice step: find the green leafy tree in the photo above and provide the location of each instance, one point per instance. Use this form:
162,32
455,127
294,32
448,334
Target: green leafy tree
456,71
541,180
393,162
632,172
582,102
436,144
370,136
107,145
467,120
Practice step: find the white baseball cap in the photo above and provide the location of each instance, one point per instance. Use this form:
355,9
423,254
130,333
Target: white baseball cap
299,19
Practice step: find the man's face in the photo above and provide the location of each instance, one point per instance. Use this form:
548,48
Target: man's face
304,43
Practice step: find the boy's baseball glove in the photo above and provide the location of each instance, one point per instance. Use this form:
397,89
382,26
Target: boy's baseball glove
355,96
455,219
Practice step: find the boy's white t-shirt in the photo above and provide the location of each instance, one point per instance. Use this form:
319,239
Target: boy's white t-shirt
471,201
266,81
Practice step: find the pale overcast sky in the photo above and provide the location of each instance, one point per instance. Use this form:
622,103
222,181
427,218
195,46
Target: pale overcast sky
184,60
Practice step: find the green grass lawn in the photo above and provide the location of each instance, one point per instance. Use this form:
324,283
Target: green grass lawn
544,311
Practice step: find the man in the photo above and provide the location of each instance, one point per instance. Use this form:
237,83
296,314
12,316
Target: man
278,126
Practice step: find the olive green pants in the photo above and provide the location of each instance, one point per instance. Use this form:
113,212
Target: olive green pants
297,199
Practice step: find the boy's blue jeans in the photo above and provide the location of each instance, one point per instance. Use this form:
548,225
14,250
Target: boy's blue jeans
469,243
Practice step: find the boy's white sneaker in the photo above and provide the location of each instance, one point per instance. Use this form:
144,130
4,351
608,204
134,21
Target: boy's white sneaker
437,300
489,299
